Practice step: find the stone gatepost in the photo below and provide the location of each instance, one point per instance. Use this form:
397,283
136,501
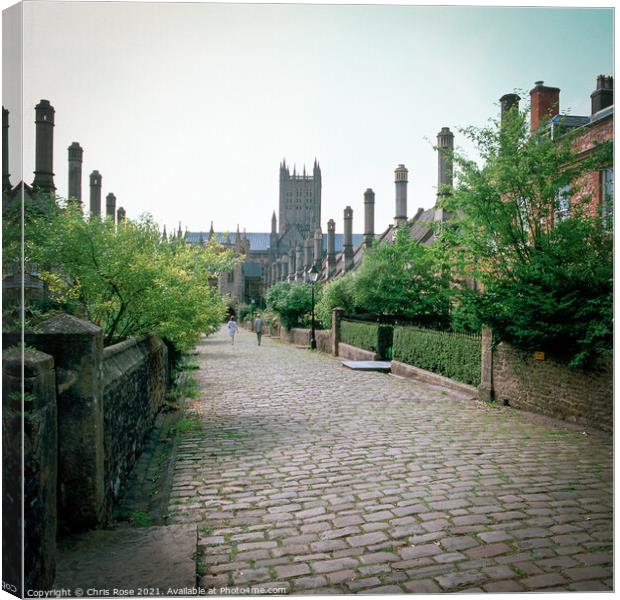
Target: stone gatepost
336,318
485,389
77,348
35,412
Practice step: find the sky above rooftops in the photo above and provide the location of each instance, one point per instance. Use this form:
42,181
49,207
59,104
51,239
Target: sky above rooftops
187,109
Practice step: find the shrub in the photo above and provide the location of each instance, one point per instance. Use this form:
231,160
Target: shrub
360,335
125,279
336,293
453,355
292,303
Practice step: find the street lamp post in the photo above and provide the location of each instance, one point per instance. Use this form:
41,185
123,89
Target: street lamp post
313,275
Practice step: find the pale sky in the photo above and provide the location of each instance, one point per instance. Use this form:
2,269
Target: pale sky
187,109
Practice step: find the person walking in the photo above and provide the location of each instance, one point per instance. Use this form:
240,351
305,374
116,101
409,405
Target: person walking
258,327
232,329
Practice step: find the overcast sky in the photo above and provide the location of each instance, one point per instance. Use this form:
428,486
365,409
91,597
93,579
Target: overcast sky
188,109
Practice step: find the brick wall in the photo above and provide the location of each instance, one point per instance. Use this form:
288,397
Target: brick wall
551,388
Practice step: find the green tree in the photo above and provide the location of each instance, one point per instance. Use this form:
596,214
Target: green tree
336,293
291,302
546,276
404,279
126,279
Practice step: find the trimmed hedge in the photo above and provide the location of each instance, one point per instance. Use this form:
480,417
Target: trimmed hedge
453,355
360,335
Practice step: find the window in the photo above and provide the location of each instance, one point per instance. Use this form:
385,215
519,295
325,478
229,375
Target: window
563,203
607,194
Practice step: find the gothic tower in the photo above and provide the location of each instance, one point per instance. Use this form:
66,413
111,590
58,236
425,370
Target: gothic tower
300,199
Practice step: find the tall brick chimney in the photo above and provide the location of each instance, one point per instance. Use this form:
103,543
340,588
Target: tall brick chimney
400,179
44,147
347,246
6,183
120,215
318,248
603,95
110,206
445,167
331,247
507,102
545,104
95,193
75,172
369,217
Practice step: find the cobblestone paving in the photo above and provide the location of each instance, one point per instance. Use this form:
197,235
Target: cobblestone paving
307,476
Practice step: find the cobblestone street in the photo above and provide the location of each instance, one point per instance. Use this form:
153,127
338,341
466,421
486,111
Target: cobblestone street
304,475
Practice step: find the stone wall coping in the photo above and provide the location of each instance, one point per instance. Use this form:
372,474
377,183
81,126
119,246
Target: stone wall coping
405,370
110,351
355,353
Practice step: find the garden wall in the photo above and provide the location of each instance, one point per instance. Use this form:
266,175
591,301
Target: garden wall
551,388
85,413
135,373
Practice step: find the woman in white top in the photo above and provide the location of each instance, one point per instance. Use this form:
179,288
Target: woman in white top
232,329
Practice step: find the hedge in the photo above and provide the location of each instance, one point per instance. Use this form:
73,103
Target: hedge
360,335
453,355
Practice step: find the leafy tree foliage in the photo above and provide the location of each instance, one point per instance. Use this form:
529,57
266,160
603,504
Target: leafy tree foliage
546,280
404,279
291,302
125,279
336,293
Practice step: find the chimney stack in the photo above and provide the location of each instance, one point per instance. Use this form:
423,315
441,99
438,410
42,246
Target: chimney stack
44,153
6,184
603,95
75,172
110,206
120,215
95,194
331,247
318,249
445,148
401,179
347,247
545,104
507,102
369,217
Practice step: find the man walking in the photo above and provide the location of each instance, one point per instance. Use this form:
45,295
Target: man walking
258,327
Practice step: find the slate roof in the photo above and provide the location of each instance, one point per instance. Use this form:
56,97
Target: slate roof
260,241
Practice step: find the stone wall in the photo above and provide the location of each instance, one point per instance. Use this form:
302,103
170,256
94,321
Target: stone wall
353,353
85,412
135,373
324,340
38,408
551,388
300,337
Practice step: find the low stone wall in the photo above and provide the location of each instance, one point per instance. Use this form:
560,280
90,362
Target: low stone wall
405,370
551,388
285,335
324,340
353,353
301,337
135,373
